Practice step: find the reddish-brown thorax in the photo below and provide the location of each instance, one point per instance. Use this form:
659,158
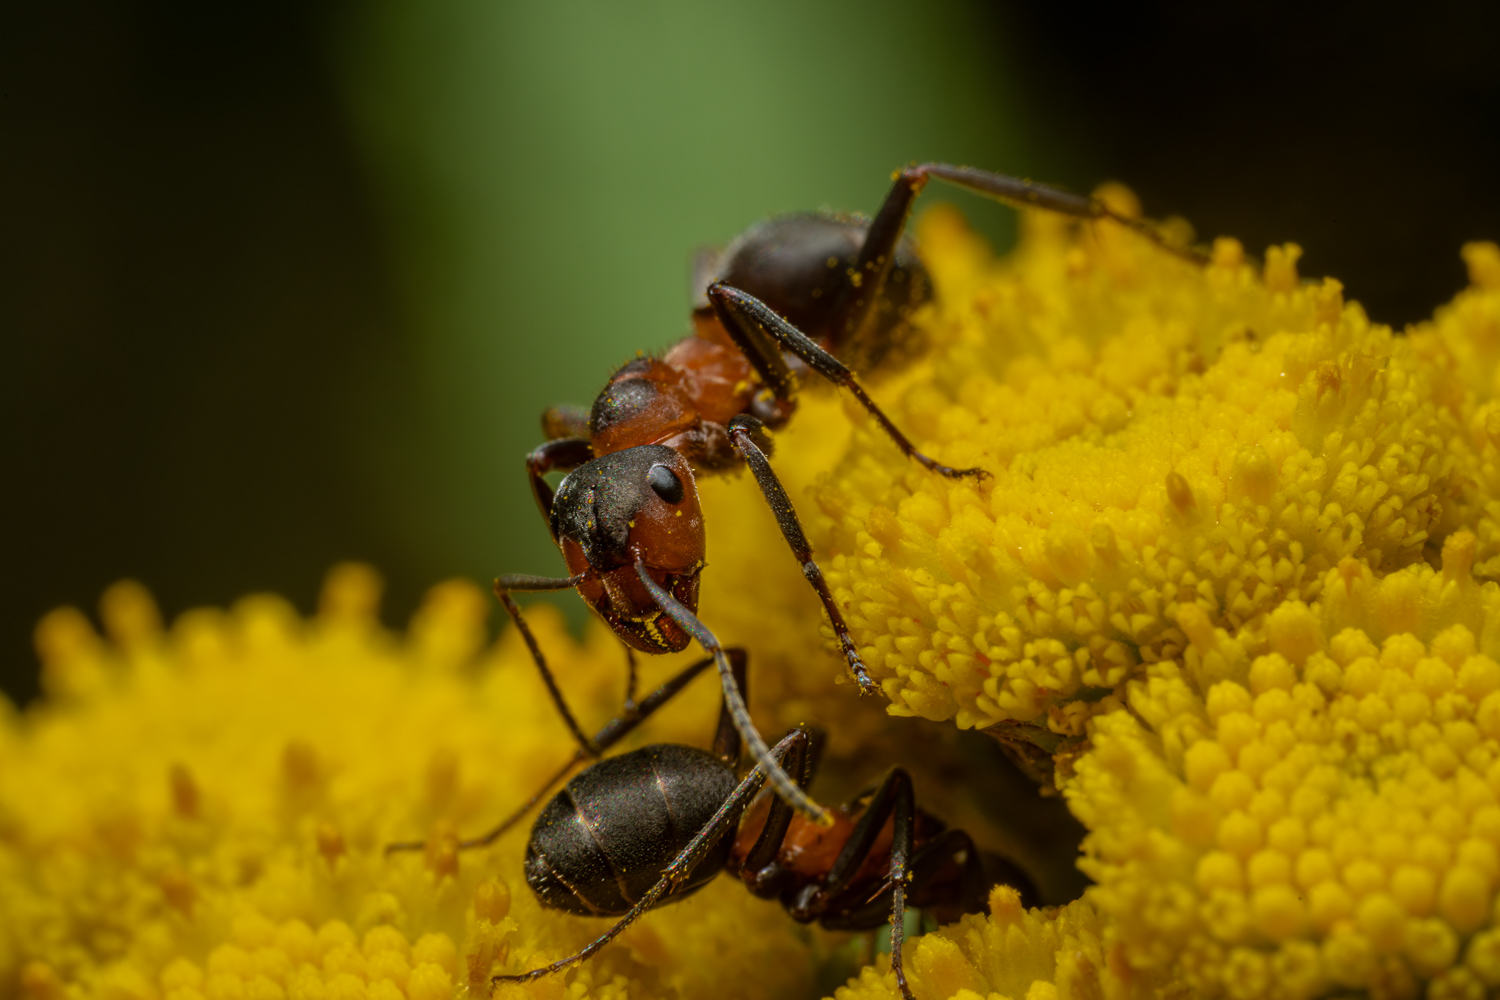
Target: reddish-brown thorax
683,399
809,849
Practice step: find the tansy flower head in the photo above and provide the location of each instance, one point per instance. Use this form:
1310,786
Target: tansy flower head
1231,574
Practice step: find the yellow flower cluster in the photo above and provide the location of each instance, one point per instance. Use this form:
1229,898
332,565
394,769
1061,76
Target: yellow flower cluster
1233,574
200,813
1330,818
1058,954
1161,436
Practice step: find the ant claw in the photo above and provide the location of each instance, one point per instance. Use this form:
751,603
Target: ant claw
862,678
951,473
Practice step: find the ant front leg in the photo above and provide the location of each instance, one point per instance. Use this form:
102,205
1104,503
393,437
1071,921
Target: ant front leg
504,587
751,322
742,433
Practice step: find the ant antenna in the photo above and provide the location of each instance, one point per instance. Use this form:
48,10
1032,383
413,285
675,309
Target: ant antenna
785,787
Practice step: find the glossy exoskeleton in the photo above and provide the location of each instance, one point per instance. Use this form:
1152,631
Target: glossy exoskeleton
797,293
648,827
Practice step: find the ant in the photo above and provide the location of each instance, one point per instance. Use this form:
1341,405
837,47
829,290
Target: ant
649,827
793,293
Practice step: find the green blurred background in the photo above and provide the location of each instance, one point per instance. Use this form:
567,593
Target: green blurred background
285,283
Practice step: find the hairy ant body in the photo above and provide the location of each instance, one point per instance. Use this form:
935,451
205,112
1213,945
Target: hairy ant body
792,294
649,827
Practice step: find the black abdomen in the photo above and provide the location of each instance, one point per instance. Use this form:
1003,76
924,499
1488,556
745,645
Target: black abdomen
603,841
798,265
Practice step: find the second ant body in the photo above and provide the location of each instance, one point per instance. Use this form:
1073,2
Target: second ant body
793,294
646,828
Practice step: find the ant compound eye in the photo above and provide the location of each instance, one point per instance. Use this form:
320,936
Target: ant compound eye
665,484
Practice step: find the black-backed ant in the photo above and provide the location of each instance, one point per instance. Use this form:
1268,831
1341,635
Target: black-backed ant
793,293
648,827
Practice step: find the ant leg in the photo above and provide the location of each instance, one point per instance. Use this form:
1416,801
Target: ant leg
893,795
611,733
503,587
752,321
873,264
631,678
901,876
1029,194
726,745
947,877
758,345
734,702
682,866
803,764
560,422
742,432
560,455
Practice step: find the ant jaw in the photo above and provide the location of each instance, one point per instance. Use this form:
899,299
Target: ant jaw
653,633
628,609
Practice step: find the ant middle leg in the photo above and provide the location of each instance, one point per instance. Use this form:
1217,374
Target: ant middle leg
611,733
751,323
742,433
682,866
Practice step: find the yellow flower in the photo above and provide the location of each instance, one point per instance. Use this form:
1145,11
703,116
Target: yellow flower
201,813
1057,954
1232,573
1232,576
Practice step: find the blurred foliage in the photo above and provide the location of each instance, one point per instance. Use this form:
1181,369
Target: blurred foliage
548,170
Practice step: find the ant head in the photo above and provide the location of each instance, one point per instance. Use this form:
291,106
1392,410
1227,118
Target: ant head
637,504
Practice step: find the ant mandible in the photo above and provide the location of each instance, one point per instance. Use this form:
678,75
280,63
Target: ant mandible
816,287
649,827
